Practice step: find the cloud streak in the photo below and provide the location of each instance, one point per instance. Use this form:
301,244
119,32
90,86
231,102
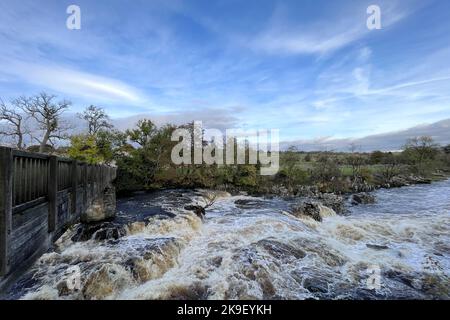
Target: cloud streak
72,82
321,37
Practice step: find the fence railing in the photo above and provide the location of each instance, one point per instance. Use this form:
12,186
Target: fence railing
28,179
32,175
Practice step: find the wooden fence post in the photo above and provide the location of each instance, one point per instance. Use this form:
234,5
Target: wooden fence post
6,189
52,193
74,179
85,186
91,181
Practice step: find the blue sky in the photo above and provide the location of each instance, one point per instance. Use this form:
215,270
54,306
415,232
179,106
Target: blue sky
309,68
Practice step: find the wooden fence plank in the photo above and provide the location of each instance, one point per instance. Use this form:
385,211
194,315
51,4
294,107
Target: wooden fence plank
52,193
6,181
74,182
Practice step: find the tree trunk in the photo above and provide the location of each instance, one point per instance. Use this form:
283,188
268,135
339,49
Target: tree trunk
20,142
44,142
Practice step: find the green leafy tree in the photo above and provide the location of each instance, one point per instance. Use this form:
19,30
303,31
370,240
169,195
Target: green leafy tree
326,173
84,148
148,165
308,157
421,153
376,157
111,145
291,174
246,176
143,133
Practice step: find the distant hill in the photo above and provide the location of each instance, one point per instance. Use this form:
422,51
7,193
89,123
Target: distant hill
391,141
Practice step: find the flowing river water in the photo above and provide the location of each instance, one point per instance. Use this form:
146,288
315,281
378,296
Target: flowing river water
397,248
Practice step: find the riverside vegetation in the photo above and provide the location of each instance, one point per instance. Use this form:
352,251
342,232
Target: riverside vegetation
143,157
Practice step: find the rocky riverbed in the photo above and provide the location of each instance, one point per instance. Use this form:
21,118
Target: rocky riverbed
392,243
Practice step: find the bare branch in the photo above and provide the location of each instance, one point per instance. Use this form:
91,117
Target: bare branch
14,121
47,114
96,119
210,198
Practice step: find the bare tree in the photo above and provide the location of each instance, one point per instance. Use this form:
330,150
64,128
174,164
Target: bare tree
47,114
210,198
356,161
391,166
14,119
421,152
96,118
423,147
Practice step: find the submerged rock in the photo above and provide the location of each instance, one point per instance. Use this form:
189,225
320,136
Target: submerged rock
106,281
249,203
71,282
194,291
376,246
408,279
333,201
327,254
362,198
152,258
315,280
315,285
314,210
99,231
198,210
252,267
280,250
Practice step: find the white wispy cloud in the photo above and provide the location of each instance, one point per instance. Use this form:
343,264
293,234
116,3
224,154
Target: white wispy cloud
73,82
407,85
275,41
324,36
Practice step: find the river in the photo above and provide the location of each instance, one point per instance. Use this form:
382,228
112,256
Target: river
397,248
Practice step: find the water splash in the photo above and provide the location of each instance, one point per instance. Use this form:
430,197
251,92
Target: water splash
252,248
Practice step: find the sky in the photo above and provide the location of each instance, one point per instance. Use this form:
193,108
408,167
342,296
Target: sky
310,68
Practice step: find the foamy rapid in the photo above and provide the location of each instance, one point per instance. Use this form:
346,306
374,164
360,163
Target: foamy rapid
255,249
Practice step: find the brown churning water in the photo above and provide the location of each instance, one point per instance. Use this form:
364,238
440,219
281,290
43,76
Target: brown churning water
260,251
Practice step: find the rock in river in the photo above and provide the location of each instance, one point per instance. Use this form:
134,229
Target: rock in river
198,210
377,246
362,198
314,210
99,231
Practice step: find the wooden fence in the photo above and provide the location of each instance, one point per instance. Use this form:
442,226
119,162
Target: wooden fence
30,180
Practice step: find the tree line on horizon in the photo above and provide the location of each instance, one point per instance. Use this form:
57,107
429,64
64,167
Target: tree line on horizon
143,153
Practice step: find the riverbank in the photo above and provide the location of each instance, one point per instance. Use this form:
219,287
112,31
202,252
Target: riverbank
359,192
